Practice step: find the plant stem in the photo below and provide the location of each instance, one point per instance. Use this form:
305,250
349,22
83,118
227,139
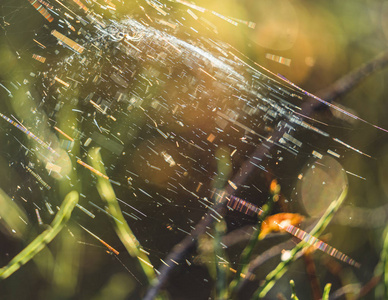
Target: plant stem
293,293
123,231
326,291
44,238
282,267
221,287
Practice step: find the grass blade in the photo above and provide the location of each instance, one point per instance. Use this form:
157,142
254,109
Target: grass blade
44,238
123,231
282,267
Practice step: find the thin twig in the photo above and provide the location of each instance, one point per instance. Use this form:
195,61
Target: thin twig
371,284
311,272
182,249
339,88
346,83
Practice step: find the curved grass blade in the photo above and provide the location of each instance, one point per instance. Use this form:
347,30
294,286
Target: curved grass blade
123,231
44,238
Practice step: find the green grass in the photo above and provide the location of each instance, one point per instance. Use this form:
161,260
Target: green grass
44,238
282,267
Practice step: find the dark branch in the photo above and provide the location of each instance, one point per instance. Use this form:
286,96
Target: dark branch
342,86
346,83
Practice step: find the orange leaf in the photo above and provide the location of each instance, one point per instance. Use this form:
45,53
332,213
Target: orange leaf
271,223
